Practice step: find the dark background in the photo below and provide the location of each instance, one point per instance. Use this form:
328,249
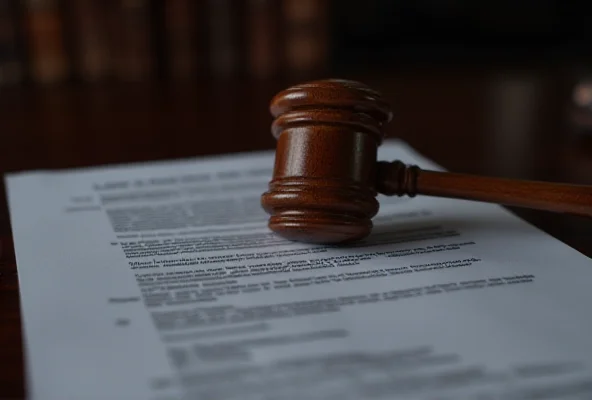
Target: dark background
460,31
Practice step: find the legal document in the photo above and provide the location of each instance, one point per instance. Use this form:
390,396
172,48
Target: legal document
161,281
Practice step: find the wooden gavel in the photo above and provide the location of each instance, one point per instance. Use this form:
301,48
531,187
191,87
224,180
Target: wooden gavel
326,174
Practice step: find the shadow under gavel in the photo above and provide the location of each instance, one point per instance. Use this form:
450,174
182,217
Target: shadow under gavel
326,175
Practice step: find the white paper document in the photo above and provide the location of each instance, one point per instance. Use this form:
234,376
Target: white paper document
161,281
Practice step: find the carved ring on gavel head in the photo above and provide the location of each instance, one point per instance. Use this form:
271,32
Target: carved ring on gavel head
326,175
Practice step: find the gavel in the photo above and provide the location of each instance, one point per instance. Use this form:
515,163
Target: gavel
326,175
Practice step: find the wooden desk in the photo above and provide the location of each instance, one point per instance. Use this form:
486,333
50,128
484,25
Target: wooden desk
485,122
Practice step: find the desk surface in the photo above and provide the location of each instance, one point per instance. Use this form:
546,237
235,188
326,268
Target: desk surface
504,123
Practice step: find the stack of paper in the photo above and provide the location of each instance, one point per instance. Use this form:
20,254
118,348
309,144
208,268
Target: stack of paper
162,281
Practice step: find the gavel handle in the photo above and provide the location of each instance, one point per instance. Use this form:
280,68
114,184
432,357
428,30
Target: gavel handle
398,179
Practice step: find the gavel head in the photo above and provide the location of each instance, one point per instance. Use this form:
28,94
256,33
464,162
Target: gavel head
323,186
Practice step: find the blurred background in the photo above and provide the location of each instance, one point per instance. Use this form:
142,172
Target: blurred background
486,87
89,41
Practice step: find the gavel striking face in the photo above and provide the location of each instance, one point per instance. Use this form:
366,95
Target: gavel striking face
326,175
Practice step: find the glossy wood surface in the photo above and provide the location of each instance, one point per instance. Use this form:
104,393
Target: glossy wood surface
449,115
328,133
546,196
327,175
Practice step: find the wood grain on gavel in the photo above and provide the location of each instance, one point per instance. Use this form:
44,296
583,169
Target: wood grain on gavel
326,174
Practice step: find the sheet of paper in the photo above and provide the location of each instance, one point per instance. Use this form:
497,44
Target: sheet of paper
161,281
